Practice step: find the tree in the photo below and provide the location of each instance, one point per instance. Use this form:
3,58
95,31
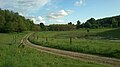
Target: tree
82,25
91,20
91,23
37,28
42,26
114,23
88,25
13,22
2,23
61,27
78,24
70,23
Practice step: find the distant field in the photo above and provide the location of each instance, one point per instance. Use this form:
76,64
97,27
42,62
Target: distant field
12,56
103,42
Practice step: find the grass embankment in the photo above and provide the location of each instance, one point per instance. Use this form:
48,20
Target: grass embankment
12,56
97,41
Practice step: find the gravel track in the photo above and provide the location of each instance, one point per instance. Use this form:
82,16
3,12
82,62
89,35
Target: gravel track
112,62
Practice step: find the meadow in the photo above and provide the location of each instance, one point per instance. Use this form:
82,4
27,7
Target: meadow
12,56
102,42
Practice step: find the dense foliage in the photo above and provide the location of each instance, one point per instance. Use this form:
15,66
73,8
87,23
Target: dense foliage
61,27
109,22
13,22
78,24
42,26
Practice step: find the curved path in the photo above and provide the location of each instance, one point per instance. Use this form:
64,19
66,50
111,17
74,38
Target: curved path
112,62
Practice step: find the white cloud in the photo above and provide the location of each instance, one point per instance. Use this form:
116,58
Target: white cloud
23,6
21,14
37,20
58,14
33,19
60,21
41,19
1,3
69,11
79,3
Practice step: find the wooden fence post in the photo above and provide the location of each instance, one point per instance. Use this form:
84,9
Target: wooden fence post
46,39
33,36
37,37
15,38
70,40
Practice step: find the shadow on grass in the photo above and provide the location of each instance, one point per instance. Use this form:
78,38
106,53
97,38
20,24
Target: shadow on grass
110,34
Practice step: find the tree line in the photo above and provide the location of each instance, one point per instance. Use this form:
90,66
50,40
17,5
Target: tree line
13,22
108,22
57,27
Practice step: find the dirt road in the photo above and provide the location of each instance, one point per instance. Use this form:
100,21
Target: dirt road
112,62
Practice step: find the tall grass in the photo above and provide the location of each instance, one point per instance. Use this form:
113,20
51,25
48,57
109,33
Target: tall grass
12,56
81,43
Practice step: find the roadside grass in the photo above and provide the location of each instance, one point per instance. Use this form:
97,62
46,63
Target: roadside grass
94,42
113,34
12,56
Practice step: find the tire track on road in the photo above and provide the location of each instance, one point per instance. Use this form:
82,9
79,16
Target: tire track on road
112,62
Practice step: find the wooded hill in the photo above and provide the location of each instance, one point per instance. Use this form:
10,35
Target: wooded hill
110,22
13,22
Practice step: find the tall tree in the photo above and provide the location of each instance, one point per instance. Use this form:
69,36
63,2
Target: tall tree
78,24
13,22
70,23
2,23
91,23
88,25
42,26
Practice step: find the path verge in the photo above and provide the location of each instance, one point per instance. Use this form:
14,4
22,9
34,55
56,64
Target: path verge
112,62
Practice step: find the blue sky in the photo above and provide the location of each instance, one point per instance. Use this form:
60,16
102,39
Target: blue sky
62,11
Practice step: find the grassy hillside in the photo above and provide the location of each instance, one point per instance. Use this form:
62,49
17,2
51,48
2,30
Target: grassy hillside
12,56
98,41
111,34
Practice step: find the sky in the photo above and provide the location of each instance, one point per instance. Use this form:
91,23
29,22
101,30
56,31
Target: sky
62,11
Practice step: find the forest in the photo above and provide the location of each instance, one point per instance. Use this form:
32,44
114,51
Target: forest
13,22
108,22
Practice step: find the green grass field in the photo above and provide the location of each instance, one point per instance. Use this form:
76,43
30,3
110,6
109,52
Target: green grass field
12,56
103,42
